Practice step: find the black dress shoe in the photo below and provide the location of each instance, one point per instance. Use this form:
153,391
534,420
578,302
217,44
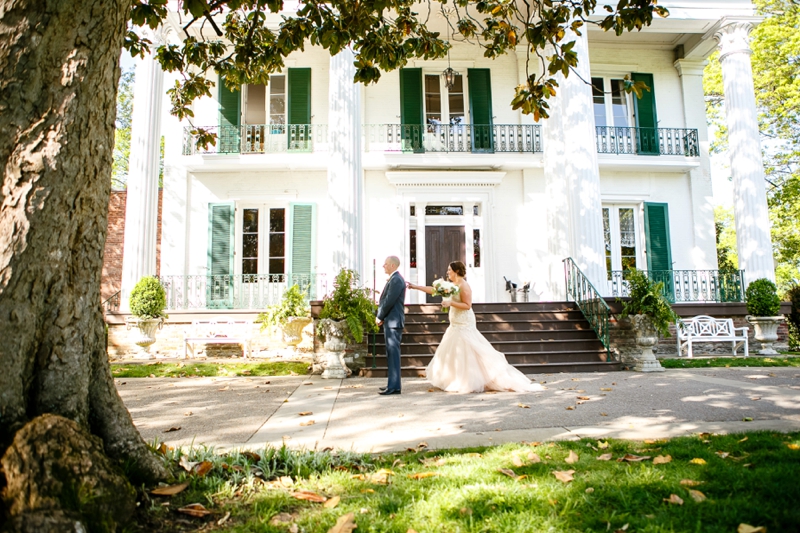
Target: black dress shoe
387,392
382,388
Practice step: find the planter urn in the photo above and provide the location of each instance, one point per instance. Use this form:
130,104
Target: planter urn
293,330
332,358
766,332
646,338
145,334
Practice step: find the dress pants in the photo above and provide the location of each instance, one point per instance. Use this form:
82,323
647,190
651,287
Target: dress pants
393,338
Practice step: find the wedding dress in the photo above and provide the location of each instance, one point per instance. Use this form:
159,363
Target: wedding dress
466,362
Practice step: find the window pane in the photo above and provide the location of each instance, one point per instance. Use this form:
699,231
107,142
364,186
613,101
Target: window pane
255,108
627,238
250,245
444,210
433,100
249,266
455,99
607,239
619,103
250,221
412,239
599,99
277,99
413,211
276,245
277,84
277,220
476,210
276,266
476,247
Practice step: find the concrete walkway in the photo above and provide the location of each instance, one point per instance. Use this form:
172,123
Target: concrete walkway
348,414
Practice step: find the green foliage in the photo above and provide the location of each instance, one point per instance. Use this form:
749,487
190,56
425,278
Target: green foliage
350,303
727,255
647,298
180,370
762,298
292,304
148,298
122,134
793,295
730,362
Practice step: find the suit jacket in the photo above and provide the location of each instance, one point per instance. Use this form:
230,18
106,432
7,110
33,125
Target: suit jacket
390,307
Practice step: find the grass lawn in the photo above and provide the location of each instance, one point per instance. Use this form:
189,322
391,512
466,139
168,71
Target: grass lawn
180,370
704,483
728,362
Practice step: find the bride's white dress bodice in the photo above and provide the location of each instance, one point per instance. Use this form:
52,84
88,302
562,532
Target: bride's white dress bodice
461,317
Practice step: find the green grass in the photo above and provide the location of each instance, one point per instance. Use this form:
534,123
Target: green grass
756,484
179,370
728,362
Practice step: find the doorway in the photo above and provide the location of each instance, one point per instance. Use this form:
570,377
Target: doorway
443,244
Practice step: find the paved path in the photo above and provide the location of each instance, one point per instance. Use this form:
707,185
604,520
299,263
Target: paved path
349,414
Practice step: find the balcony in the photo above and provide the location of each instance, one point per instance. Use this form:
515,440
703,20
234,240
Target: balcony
260,139
687,286
647,141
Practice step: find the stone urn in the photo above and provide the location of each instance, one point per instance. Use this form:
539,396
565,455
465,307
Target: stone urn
293,328
145,334
646,338
766,332
332,357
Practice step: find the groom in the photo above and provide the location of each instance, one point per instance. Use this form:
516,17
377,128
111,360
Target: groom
391,316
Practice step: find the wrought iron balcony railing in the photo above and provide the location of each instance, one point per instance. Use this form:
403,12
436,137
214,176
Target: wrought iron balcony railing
248,291
684,286
259,139
647,141
476,138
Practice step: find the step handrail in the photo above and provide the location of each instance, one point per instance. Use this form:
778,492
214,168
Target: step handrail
592,305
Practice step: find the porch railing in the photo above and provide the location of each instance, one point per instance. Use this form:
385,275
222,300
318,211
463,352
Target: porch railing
647,141
683,286
259,139
248,291
589,301
489,138
111,303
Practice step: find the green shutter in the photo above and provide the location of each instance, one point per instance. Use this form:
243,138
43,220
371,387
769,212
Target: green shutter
659,251
302,239
298,106
229,118
480,109
411,113
219,289
646,117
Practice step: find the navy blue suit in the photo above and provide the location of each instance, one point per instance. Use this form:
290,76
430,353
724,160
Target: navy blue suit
391,311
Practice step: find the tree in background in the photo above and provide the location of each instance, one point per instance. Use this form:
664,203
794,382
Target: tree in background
727,256
776,63
122,135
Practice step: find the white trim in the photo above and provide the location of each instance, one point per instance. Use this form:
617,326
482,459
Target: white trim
421,179
442,64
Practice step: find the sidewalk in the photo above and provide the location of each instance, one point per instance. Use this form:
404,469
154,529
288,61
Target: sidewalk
349,414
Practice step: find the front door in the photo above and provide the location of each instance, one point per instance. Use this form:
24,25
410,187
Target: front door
443,245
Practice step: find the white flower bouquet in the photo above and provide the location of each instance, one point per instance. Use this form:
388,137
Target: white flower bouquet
444,288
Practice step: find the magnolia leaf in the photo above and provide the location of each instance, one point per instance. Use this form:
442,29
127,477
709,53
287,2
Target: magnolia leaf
649,441
173,428
570,408
662,459
305,413
589,490
602,445
690,483
746,528
381,476
742,440
523,406
203,468
697,495
282,518
630,458
360,477
607,389
163,449
286,481
564,475
187,464
517,461
533,457
195,509
422,444
308,423
722,455
583,398
224,518
698,461
345,524
605,457
333,502
508,472
170,490
422,475
674,499
793,446
309,496
252,456
572,458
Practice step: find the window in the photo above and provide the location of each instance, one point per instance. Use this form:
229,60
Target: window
413,211
444,210
263,251
476,210
476,248
277,99
610,102
277,241
412,255
447,110
621,236
250,241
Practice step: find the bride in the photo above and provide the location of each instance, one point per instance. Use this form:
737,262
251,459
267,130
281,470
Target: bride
465,361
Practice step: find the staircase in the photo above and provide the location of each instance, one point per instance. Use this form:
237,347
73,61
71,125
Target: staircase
536,337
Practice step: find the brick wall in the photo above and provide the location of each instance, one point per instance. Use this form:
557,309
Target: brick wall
111,280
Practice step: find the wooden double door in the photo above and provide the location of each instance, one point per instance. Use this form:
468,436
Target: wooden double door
443,245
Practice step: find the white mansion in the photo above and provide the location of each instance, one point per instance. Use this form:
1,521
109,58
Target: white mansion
313,173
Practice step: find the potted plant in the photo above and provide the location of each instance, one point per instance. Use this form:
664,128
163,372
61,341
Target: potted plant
650,314
147,302
292,314
764,306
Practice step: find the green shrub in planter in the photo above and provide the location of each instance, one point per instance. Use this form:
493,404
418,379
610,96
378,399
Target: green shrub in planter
148,299
647,298
351,303
762,298
293,304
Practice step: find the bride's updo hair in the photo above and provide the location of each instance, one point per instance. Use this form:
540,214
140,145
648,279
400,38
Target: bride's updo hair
459,268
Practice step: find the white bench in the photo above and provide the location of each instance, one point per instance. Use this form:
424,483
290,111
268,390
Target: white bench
705,328
217,331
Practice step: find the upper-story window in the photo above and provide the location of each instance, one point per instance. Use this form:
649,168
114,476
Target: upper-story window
443,106
277,99
611,103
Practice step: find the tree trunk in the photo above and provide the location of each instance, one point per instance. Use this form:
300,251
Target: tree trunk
60,68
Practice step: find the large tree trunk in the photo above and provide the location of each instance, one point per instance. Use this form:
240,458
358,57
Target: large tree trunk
60,67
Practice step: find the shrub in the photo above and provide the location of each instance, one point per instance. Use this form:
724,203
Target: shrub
293,304
148,299
762,298
350,303
793,295
647,298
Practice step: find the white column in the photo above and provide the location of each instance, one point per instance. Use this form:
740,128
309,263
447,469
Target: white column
581,169
753,238
141,209
345,173
419,209
704,248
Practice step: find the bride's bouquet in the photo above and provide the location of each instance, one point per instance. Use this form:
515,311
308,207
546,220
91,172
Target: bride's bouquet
445,289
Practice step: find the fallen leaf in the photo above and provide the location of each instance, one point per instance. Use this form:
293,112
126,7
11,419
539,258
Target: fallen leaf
517,461
171,490
630,458
345,524
226,387
649,441
305,413
572,458
381,476
722,455
173,428
308,423
422,475
603,414
564,475
606,389
533,457
755,399
333,502
662,459
697,495
623,529
203,468
195,509
162,449
570,408
286,481
746,528
698,461
523,406
508,472
360,477
674,499
224,518
793,446
583,398
398,463
422,445
431,390
602,445
605,457
742,440
690,483
309,496
747,419
188,413
252,456
589,490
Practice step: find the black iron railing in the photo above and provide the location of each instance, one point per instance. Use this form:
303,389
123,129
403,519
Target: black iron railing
647,141
684,286
589,301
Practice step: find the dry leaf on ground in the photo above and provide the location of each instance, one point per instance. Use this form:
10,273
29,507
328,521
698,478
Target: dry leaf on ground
187,464
742,440
534,457
662,459
605,457
253,456
422,444
697,495
606,389
286,481
309,496
333,502
589,490
523,406
564,475
572,458
195,509
722,455
698,461
746,528
674,499
360,477
690,483
630,458
381,476
422,475
570,408
508,472
305,413
173,428
203,468
431,390
602,445
793,446
308,423
345,524
583,398
171,490
224,518
516,461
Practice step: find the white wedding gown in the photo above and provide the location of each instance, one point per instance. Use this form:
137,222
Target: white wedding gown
466,362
